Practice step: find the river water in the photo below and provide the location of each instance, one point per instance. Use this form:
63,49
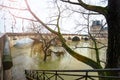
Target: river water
22,59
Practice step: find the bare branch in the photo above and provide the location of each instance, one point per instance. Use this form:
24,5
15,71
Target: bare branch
99,9
23,17
91,47
102,47
68,1
12,7
92,13
58,19
85,47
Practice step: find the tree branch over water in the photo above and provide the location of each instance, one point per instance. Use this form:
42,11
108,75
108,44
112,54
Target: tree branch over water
79,57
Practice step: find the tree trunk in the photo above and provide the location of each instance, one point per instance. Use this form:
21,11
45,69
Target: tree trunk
113,20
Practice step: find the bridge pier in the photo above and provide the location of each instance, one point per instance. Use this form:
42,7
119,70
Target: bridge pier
5,74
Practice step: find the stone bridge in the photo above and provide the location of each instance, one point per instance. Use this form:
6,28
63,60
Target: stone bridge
16,36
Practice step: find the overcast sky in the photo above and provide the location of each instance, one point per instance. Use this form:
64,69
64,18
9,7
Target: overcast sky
43,9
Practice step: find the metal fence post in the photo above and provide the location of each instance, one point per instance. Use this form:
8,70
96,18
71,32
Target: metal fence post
86,75
56,75
43,75
37,77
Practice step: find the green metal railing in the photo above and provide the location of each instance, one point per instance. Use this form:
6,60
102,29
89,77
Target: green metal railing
70,74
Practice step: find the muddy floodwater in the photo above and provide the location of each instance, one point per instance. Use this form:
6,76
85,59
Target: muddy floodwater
22,60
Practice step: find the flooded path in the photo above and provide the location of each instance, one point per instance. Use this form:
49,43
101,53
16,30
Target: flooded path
22,61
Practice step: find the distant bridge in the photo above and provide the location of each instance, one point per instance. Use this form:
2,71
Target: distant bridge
16,36
31,35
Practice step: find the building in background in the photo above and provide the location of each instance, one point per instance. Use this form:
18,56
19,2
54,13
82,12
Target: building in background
97,29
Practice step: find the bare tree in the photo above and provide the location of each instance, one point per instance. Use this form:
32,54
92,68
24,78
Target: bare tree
79,57
43,40
96,39
111,13
101,10
57,31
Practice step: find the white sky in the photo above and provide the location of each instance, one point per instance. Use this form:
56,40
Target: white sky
43,11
